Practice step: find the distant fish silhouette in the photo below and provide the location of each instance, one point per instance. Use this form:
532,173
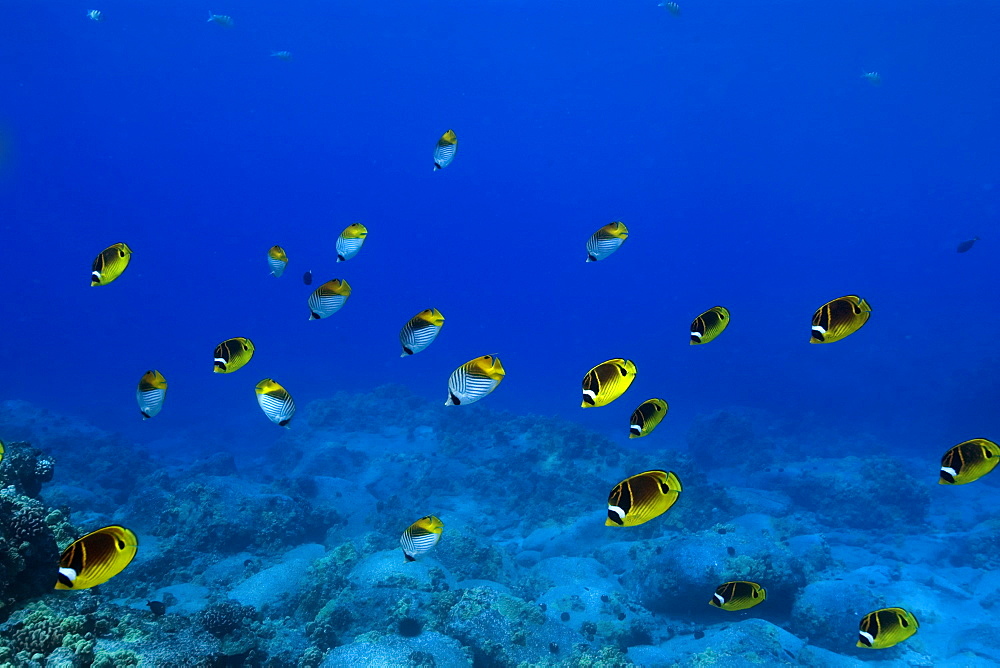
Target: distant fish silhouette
967,245
157,607
874,78
307,277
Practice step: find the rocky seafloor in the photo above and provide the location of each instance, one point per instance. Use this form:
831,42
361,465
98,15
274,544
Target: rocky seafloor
292,559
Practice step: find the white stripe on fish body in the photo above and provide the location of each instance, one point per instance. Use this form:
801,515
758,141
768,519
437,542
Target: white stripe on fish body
150,401
417,339
599,247
443,155
950,471
817,328
870,637
277,266
719,598
68,573
277,409
348,248
415,545
468,388
617,511
324,306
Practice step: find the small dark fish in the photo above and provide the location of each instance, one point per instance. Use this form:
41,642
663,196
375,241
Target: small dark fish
731,551
967,244
157,607
698,635
307,278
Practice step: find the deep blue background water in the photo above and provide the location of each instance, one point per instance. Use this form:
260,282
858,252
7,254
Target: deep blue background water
753,165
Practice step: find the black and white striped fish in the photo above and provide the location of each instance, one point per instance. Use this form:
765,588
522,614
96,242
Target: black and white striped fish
350,241
444,152
275,401
151,393
420,331
277,260
606,241
421,536
474,380
328,298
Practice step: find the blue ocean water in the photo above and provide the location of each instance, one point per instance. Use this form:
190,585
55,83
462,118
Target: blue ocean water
753,164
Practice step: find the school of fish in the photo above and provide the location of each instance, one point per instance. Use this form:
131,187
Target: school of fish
640,498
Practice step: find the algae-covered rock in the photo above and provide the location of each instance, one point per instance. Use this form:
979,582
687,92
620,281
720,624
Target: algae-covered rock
373,650
828,612
679,575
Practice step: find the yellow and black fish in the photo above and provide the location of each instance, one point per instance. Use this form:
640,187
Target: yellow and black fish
421,536
886,627
444,152
232,354
96,558
420,331
738,595
642,497
277,260
151,393
275,401
606,241
969,461
474,380
2,450
709,325
350,241
839,318
110,264
607,381
646,417
328,298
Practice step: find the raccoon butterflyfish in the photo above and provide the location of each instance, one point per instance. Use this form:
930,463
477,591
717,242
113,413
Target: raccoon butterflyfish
151,393
886,627
606,241
607,381
709,325
110,264
421,536
2,450
420,331
642,497
444,152
275,401
671,7
232,354
350,241
328,298
839,318
96,558
474,380
738,595
966,245
646,417
307,277
220,19
277,260
969,461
